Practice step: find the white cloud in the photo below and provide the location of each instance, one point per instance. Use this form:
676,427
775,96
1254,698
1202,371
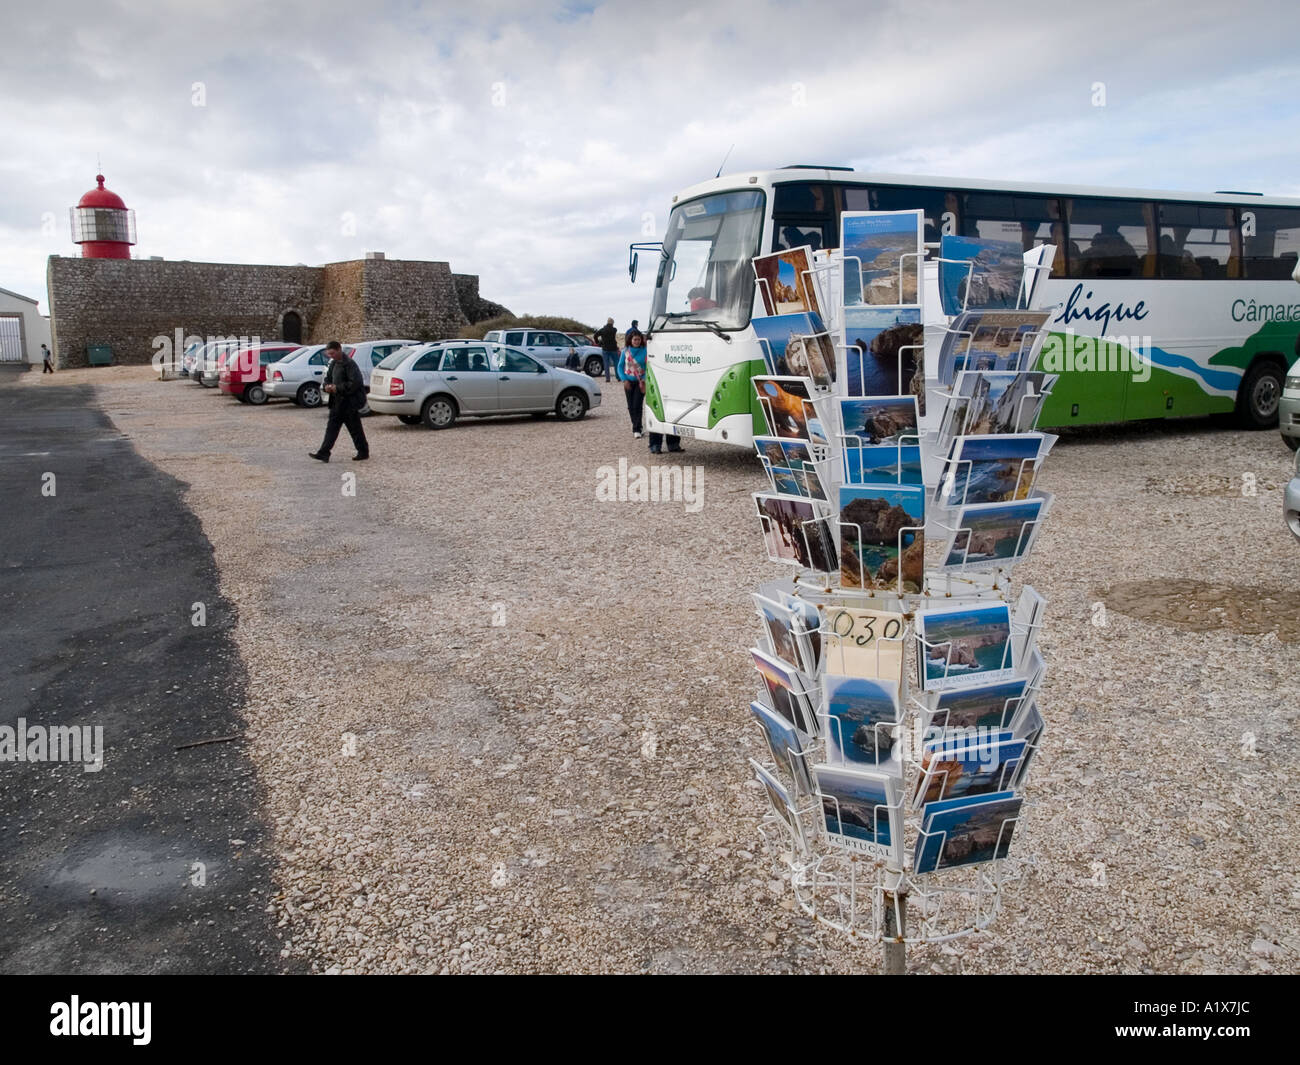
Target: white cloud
524,143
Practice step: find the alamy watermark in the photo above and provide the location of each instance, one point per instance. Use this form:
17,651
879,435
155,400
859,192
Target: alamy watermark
181,350
1067,352
651,484
55,743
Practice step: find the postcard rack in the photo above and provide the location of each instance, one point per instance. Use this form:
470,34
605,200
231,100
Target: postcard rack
904,822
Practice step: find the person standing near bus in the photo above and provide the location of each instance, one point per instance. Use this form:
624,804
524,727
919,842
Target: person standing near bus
608,338
631,371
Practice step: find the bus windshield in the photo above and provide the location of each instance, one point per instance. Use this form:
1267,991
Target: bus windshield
705,278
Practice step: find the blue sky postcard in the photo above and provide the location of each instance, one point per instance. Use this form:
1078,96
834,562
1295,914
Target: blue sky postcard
785,282
862,810
858,715
882,537
994,535
989,469
882,251
786,744
797,345
976,831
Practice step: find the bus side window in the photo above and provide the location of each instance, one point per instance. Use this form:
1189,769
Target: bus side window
1199,241
1110,238
1272,241
1027,220
803,213
934,202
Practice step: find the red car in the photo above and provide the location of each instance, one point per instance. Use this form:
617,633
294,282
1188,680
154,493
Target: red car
245,370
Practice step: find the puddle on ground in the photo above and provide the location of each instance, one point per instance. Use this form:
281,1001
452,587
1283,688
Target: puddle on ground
1201,605
124,868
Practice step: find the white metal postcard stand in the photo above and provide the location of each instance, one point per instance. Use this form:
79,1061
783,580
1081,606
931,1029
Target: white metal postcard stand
876,894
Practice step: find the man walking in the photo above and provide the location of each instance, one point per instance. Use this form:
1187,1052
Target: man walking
608,338
347,395
48,367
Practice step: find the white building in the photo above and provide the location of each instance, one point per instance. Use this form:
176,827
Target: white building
23,329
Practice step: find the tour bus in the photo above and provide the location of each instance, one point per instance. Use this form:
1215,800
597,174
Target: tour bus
1198,286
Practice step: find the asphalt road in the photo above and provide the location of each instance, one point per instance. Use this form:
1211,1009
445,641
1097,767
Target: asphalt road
154,863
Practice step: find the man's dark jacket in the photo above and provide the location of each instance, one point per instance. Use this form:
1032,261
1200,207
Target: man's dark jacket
349,389
608,337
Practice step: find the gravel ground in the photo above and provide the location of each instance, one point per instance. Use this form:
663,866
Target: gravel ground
566,789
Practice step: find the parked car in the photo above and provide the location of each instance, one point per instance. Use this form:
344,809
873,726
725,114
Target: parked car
298,376
551,347
1288,408
437,383
1291,500
368,354
244,371
212,359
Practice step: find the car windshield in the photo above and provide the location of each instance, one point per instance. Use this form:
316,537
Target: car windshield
704,273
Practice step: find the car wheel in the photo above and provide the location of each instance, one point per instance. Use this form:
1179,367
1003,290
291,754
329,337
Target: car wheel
1257,399
439,412
409,419
255,394
571,405
594,366
310,395
1293,442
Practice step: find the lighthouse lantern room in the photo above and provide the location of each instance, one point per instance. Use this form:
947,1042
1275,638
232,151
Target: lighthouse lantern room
102,225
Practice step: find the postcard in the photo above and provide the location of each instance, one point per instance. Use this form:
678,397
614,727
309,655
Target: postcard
975,272
882,537
991,340
962,645
788,690
995,535
858,715
1029,728
866,643
787,405
977,830
964,764
782,805
1038,267
985,705
790,466
797,345
787,746
1026,622
863,811
990,403
785,282
778,627
795,534
881,253
883,464
807,628
990,469
871,420
884,353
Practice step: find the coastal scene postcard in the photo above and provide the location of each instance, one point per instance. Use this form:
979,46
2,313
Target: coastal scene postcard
975,273
881,253
858,715
797,345
989,469
984,705
882,537
961,645
994,535
975,830
862,811
991,403
991,340
884,353
787,406
784,283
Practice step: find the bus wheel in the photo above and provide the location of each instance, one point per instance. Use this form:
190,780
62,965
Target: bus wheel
1258,397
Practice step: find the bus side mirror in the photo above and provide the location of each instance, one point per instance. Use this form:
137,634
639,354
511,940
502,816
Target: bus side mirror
633,258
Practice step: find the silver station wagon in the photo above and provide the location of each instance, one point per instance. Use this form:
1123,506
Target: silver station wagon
438,383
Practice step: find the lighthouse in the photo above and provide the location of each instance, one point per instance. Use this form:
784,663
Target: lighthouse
102,225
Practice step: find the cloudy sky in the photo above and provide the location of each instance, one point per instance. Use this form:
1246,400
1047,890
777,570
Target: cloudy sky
526,141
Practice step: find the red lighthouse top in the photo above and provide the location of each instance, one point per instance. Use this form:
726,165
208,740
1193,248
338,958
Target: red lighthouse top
102,224
101,197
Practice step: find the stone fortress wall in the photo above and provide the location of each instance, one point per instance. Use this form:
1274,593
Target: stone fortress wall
126,303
